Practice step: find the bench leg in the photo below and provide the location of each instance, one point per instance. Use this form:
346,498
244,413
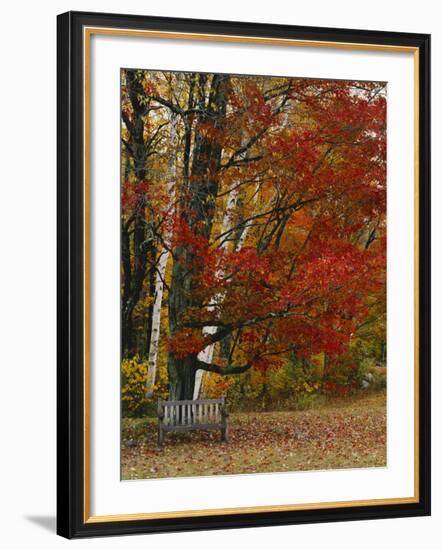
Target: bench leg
224,433
160,434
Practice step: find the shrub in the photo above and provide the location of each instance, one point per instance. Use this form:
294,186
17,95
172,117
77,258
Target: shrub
379,377
215,385
133,386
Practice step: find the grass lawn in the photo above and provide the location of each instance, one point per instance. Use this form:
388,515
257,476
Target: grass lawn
341,434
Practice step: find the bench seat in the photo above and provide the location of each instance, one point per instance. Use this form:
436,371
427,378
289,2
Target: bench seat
190,415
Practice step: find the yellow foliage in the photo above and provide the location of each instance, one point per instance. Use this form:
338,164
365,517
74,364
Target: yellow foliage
215,385
133,385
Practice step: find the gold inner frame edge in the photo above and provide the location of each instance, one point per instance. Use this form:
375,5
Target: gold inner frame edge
87,33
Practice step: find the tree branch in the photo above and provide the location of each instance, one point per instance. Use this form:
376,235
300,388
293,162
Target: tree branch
230,369
155,134
128,147
227,328
174,108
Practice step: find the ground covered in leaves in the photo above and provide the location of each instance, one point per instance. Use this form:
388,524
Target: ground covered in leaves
341,434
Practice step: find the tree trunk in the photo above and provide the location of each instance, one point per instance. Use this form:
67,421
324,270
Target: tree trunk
181,377
134,275
207,354
161,269
156,324
197,207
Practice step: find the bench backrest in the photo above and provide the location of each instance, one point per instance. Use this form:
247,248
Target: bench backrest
198,412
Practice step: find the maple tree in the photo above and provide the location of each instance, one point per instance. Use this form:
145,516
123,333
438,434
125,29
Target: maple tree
253,219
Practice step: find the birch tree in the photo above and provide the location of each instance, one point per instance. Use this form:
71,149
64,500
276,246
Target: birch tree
162,263
206,355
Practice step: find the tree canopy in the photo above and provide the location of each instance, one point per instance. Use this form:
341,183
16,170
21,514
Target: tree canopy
253,220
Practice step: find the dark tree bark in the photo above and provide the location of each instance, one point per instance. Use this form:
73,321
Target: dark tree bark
136,243
197,208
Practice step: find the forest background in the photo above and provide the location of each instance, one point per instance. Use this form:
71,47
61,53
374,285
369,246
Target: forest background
253,239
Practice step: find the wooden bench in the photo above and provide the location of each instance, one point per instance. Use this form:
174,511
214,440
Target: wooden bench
198,414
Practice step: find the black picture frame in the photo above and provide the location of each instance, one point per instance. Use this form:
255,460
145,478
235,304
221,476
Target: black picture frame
71,520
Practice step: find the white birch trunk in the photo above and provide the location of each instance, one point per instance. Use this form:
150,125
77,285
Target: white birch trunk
156,322
243,236
206,354
161,271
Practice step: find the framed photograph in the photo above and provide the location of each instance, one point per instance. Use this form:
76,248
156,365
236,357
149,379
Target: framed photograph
243,274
